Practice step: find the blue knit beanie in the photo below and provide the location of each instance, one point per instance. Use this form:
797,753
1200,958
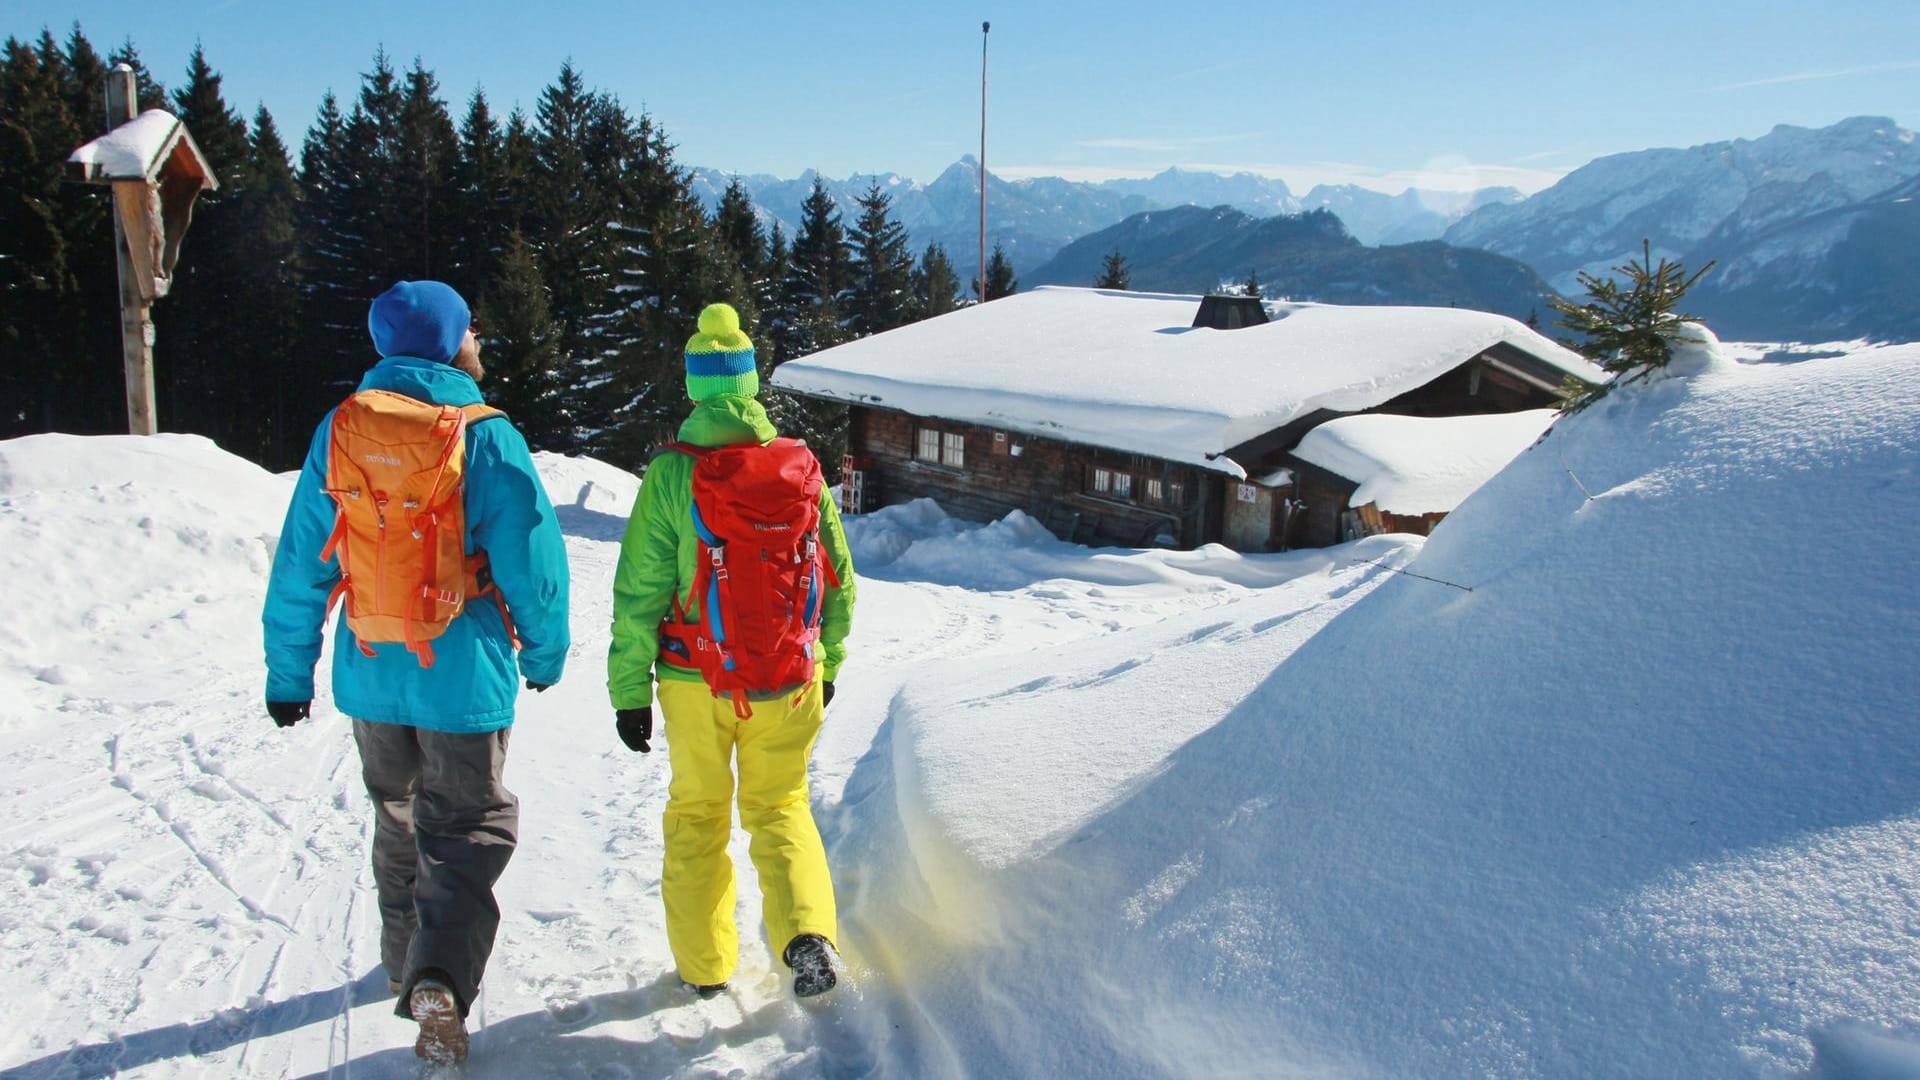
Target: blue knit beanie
426,319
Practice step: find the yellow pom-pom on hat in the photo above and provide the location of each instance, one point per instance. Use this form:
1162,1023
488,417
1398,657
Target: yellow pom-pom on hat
719,320
720,357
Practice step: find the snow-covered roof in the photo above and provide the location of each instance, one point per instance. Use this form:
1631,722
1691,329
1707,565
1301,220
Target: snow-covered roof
137,149
1128,371
1417,465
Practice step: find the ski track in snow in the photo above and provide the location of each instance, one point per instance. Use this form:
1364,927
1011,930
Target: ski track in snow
220,864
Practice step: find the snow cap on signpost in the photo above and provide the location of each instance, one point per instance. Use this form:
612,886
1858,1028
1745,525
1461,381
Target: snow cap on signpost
156,171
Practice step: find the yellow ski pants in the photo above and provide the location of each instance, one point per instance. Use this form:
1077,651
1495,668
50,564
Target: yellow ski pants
772,748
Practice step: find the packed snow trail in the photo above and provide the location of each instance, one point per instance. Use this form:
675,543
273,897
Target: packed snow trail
188,883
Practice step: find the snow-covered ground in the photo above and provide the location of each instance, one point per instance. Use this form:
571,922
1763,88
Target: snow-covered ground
1623,785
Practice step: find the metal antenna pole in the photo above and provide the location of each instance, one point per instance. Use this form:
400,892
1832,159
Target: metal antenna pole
984,27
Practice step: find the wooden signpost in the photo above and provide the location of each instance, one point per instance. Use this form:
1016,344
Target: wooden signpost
156,172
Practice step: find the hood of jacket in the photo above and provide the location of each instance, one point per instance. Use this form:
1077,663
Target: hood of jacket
727,420
423,380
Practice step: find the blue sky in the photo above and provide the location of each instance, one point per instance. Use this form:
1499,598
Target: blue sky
1383,93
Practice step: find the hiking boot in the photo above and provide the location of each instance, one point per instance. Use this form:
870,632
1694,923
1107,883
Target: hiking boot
706,991
393,987
811,958
443,1035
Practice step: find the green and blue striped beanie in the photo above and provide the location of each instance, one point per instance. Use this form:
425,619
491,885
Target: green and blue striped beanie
720,357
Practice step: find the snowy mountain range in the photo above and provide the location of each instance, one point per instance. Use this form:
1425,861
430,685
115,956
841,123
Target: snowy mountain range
1796,218
1034,218
1812,228
1305,256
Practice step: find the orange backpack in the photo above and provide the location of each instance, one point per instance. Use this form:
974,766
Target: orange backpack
396,469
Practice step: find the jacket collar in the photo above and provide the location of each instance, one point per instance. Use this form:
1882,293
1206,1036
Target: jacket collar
424,380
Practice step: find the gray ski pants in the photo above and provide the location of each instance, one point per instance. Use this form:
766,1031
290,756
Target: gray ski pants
444,827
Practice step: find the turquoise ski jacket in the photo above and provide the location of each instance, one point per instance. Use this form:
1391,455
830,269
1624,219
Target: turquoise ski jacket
472,685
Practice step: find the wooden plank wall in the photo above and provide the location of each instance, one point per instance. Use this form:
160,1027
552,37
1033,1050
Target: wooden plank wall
1047,478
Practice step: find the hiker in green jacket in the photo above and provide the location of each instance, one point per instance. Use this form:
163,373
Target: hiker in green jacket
707,734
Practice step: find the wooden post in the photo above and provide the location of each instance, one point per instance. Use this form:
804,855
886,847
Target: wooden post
136,317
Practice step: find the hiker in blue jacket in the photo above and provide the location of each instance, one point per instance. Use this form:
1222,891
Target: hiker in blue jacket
432,739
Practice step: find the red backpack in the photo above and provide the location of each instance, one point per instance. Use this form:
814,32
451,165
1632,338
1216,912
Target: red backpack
762,574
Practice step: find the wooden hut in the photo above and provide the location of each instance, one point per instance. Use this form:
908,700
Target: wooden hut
1153,419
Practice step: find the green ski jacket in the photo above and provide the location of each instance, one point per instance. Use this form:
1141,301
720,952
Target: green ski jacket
659,554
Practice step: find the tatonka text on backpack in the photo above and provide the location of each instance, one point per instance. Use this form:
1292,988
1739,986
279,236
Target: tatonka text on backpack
762,574
396,469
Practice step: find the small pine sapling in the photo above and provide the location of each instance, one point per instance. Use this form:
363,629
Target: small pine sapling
1628,331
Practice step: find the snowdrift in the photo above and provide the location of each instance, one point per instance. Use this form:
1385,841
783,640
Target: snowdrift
1628,790
125,558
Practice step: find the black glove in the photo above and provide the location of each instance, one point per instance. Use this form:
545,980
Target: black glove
539,687
289,713
636,728
826,694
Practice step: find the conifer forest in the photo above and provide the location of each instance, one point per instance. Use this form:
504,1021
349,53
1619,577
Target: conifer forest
570,228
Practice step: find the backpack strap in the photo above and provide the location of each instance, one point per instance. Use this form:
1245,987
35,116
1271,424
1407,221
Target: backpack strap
479,569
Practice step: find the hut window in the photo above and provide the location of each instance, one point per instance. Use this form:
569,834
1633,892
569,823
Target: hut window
1156,492
1102,481
929,445
1123,485
1176,494
953,450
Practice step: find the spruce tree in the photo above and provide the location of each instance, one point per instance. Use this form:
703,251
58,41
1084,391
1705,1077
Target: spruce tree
1629,332
936,287
780,321
1113,272
817,284
59,286
815,300
1000,279
1253,284
35,280
521,349
335,290
266,218
571,206
374,212
479,212
151,91
739,229
881,296
519,173
87,77
676,263
200,344
420,163
87,335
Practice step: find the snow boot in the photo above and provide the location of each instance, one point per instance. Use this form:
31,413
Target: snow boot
811,958
708,990
443,1034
